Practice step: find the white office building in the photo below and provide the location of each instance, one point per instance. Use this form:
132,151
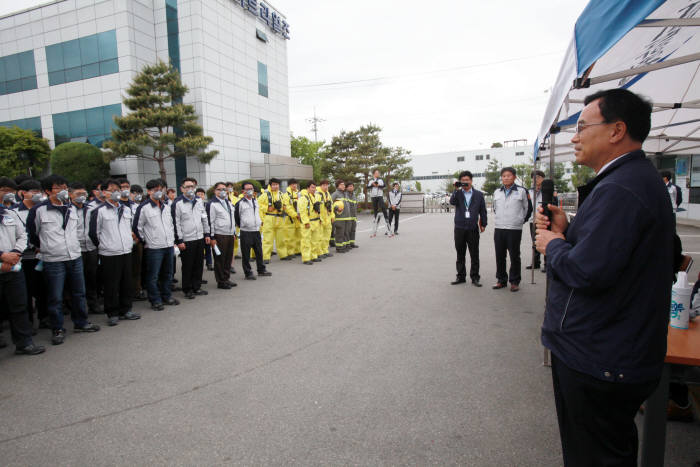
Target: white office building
65,66
433,171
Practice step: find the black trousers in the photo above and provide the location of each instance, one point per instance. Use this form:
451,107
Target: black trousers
192,258
596,418
90,263
13,295
222,262
467,239
251,240
118,284
137,266
394,215
377,206
507,241
36,290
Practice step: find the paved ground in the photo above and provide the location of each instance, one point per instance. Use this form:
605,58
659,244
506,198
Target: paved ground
369,358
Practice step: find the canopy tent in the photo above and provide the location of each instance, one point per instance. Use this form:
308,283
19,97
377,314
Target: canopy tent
651,47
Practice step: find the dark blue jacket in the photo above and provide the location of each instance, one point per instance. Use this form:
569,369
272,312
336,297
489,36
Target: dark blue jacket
610,281
477,209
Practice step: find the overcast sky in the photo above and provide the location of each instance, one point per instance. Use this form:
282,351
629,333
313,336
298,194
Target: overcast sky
436,76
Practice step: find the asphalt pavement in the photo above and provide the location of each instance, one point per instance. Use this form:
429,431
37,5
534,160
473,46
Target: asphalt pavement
368,358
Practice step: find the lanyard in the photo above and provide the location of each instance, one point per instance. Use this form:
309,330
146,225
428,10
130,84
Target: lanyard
467,203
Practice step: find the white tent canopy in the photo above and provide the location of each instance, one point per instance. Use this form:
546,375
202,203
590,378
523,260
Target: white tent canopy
651,47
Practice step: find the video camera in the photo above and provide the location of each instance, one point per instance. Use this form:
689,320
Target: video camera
460,184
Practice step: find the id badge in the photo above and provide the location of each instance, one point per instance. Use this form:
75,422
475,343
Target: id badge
467,214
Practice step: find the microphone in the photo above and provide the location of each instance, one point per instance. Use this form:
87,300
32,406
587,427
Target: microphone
547,190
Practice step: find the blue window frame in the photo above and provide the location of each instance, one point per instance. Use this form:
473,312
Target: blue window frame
33,123
262,79
92,126
265,136
17,73
84,58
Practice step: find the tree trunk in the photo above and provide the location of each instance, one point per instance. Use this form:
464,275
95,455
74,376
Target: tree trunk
161,168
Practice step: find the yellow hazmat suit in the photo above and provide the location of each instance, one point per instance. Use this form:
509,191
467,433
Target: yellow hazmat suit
291,231
272,216
327,218
310,226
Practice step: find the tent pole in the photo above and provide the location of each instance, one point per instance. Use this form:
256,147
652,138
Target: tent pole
534,210
552,152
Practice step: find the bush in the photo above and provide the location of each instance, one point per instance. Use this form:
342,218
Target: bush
79,162
238,187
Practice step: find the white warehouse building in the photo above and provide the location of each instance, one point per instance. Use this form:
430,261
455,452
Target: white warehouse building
433,171
65,67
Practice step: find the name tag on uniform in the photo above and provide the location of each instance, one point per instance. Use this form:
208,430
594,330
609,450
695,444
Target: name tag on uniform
467,215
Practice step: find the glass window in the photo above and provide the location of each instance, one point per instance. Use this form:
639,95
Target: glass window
33,123
88,125
12,67
460,159
78,124
26,64
54,57
71,53
107,45
74,74
95,125
90,71
88,50
57,77
84,58
28,83
262,79
108,67
265,136
13,86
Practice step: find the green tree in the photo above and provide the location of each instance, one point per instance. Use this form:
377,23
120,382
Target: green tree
525,174
419,187
159,126
257,186
22,152
450,182
493,177
560,185
79,162
309,153
497,145
581,175
395,166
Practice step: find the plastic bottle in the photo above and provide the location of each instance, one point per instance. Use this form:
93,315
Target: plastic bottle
680,302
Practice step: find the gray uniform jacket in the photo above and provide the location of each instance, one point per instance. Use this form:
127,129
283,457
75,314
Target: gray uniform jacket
153,225
248,215
22,213
395,199
110,229
512,210
222,219
13,236
191,220
54,231
376,191
350,199
84,226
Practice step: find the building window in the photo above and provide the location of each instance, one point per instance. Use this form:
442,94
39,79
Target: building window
265,136
88,125
460,159
520,153
173,33
260,35
33,124
17,73
480,157
262,79
568,171
84,58
488,156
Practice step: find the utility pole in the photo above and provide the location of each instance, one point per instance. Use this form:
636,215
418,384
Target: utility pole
314,124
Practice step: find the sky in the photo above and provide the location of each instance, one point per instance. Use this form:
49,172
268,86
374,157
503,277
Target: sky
435,76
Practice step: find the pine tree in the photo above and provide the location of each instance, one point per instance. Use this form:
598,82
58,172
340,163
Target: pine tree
159,126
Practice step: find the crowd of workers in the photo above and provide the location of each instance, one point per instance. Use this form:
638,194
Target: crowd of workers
67,249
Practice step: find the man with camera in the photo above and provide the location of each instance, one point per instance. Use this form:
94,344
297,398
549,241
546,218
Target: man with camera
470,222
376,192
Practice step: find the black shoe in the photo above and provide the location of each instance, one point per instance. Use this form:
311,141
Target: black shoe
267,261
544,270
287,258
498,285
112,321
177,288
476,283
189,295
223,285
396,233
171,302
59,335
265,274
175,281
157,307
204,281
309,263
237,257
140,297
530,267
250,278
232,284
31,349
341,250
130,316
329,255
87,327
323,256
210,267
44,324
316,260
201,292
354,246
459,280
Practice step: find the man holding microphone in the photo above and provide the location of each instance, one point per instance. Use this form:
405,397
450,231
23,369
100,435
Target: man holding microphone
610,274
470,222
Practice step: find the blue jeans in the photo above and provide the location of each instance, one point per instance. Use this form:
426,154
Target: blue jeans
159,274
70,273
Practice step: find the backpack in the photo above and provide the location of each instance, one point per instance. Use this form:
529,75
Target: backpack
679,195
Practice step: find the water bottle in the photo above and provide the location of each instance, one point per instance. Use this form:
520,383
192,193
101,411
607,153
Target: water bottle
16,268
39,266
680,302
217,252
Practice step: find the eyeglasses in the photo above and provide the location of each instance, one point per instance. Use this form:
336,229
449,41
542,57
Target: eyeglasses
582,126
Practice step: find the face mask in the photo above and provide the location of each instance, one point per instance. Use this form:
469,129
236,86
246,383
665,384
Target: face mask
125,193
63,196
189,194
223,194
250,192
138,198
158,195
9,198
37,198
80,199
116,195
230,190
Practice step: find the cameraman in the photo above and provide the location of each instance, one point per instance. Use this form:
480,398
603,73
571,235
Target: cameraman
470,222
376,192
